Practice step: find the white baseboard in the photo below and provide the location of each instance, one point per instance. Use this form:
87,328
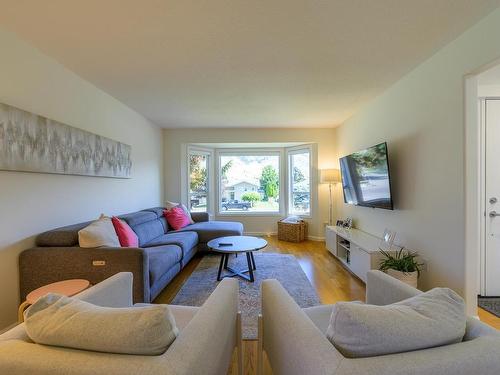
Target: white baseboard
316,238
260,233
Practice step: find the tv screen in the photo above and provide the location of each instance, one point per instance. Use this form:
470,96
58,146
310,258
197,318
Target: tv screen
365,178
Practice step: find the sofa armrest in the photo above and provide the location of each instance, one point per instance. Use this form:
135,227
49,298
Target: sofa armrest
44,265
293,344
205,346
199,216
382,289
115,291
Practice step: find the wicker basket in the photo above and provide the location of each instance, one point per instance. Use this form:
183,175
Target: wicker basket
295,232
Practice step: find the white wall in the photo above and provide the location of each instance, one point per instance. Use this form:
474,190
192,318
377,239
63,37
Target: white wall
31,203
422,119
174,139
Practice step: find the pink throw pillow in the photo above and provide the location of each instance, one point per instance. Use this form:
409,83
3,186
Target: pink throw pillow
176,218
126,235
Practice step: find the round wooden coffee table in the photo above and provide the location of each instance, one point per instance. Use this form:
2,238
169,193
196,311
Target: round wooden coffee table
66,287
235,245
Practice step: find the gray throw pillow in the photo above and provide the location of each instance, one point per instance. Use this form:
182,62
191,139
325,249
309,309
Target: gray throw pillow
67,322
430,319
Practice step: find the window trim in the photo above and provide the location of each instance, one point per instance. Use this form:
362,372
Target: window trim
293,151
209,153
271,151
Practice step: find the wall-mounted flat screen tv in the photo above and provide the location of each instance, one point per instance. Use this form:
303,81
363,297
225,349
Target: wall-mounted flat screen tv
365,178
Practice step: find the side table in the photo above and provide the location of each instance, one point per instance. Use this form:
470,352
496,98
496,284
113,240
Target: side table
66,287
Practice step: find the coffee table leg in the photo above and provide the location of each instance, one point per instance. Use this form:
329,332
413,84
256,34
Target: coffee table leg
226,260
220,266
250,266
253,261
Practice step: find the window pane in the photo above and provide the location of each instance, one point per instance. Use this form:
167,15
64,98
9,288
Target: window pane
249,183
300,183
198,182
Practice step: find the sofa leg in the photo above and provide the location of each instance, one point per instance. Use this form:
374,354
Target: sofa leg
239,343
260,346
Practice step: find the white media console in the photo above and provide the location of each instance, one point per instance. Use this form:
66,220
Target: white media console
357,250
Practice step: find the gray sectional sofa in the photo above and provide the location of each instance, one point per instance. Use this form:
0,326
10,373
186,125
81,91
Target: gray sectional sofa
161,254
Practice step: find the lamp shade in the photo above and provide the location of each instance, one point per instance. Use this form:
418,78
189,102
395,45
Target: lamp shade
329,176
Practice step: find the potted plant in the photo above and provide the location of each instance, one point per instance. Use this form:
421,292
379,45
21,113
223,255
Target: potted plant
402,265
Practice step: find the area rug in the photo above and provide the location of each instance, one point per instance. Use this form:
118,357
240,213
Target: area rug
285,268
491,304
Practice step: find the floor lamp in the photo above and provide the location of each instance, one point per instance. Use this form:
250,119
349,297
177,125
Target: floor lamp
330,177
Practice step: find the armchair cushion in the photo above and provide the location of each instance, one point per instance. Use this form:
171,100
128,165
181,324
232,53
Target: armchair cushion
68,322
427,320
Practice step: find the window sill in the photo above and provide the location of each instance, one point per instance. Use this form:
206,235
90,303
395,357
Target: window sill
254,214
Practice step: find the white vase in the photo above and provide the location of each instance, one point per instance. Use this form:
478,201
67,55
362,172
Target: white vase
409,278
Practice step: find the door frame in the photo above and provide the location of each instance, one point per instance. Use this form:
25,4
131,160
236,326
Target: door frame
474,211
482,192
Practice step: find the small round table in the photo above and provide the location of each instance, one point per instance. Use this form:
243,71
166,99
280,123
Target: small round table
234,245
66,287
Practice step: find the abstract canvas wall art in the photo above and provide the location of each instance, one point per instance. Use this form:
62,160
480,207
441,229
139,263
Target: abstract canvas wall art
32,143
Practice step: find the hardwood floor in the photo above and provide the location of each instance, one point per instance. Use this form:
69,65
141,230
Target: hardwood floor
331,280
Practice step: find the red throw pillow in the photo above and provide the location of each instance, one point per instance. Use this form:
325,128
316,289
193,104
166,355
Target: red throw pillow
176,218
126,235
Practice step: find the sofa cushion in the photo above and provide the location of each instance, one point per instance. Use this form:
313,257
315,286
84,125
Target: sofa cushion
125,234
148,231
99,233
186,240
65,236
208,230
169,205
427,320
182,314
177,218
161,259
320,316
139,217
68,322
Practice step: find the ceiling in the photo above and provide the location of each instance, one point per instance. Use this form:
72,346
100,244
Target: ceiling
242,63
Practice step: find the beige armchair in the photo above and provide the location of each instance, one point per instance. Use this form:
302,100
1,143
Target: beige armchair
205,345
295,343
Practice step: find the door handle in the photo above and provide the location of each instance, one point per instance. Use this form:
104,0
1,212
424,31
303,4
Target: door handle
494,213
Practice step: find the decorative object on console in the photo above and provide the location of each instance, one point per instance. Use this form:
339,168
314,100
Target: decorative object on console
387,240
402,265
292,232
348,223
32,143
330,177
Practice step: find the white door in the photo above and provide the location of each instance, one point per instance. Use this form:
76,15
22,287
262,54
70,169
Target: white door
492,196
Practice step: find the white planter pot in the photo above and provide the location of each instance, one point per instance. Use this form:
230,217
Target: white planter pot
409,278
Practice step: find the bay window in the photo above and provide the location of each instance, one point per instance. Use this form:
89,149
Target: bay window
299,188
249,182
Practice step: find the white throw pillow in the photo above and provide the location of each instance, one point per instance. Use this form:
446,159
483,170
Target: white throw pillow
68,322
169,205
100,233
427,320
